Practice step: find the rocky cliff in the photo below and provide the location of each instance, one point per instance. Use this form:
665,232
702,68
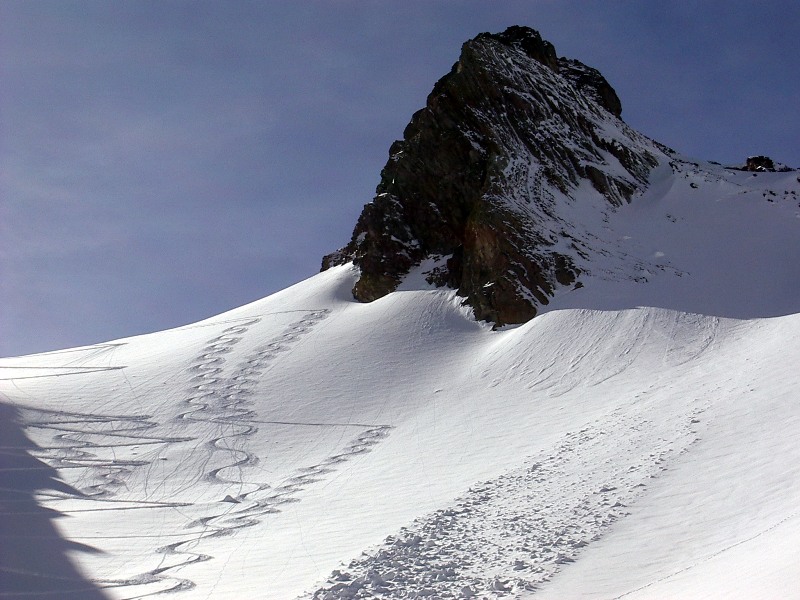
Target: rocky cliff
511,143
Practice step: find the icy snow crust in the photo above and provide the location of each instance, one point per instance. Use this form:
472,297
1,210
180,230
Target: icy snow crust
637,440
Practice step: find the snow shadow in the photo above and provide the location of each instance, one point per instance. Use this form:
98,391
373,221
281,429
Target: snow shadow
33,556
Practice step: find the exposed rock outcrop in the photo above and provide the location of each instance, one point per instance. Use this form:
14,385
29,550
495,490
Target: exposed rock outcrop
506,138
759,163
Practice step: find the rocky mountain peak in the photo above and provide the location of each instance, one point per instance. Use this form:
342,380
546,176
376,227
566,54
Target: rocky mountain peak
528,41
480,185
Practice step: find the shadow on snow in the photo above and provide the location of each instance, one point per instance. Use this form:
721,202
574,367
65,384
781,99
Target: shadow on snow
33,555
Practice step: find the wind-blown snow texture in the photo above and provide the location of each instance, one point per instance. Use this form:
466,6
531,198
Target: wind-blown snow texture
636,440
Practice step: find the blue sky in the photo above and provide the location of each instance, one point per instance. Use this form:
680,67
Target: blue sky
161,162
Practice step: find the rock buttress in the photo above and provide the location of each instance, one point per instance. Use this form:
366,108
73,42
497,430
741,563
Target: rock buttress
475,176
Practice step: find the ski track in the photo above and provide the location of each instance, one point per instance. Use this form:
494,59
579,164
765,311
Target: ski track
508,536
214,398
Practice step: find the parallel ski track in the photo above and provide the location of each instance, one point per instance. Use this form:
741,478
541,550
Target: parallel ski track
224,401
216,394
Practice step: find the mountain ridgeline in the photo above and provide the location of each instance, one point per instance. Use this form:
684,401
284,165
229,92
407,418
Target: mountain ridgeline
483,189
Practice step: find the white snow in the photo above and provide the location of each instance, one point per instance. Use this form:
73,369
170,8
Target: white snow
637,440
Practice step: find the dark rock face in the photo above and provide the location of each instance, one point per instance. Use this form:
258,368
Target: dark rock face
591,84
507,135
759,163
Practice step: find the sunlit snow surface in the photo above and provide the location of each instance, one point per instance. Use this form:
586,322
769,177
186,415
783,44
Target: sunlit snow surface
639,439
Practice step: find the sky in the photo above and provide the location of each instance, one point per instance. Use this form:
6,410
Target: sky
162,162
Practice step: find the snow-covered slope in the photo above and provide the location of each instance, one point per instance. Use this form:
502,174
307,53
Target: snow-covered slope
638,440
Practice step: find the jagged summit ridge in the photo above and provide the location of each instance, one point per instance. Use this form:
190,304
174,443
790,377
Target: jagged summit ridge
485,171
587,80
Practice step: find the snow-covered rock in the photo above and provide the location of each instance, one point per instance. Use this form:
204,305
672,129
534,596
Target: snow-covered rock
489,174
637,439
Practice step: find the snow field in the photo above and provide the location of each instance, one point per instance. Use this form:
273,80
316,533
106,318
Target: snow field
635,440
